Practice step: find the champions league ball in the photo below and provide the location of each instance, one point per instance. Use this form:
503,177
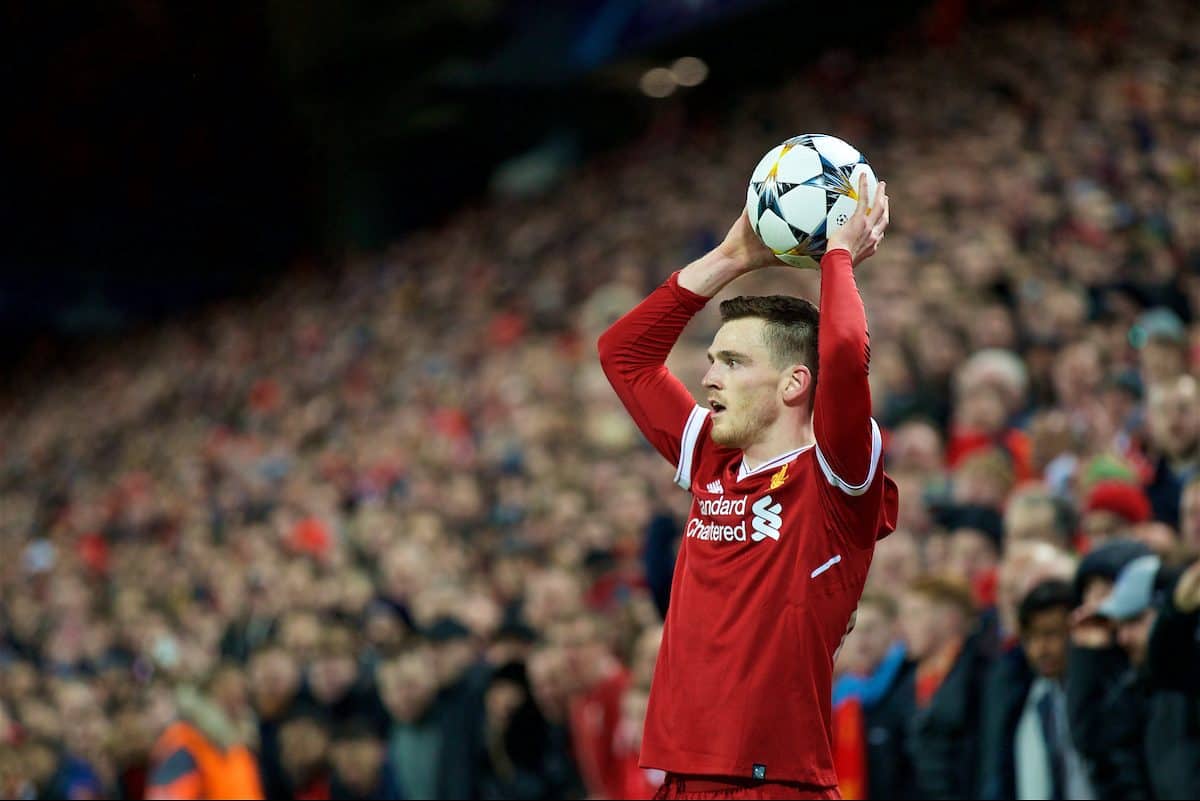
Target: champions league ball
802,191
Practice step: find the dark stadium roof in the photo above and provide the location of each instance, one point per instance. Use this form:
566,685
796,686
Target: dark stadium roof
165,152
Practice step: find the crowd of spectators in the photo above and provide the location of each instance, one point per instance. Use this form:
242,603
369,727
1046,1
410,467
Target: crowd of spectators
388,533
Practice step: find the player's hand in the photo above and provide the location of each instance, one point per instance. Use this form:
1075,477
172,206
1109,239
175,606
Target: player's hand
1187,590
744,247
863,232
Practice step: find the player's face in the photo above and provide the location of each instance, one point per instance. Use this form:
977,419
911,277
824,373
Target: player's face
742,385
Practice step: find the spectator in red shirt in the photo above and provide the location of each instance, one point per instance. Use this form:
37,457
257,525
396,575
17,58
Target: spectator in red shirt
594,708
990,390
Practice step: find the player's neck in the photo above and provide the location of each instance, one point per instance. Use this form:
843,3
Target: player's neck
783,437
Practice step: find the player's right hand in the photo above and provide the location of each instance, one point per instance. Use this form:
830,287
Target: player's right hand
744,247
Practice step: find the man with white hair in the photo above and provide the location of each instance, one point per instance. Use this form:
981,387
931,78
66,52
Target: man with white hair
1000,369
990,389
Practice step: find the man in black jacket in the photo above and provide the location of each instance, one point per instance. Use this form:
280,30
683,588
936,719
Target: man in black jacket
1098,701
1145,742
940,630
1026,748
1173,422
881,680
1171,678
1107,706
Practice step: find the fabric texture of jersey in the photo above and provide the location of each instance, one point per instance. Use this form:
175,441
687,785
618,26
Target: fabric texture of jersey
773,560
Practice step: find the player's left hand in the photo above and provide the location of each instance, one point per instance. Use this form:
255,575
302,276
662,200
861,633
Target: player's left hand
863,232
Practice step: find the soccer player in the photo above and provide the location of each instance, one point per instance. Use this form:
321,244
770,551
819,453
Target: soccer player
788,500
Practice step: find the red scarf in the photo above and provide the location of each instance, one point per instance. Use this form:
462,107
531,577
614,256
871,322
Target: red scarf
850,748
932,672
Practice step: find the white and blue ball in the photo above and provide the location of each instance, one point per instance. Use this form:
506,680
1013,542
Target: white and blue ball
802,191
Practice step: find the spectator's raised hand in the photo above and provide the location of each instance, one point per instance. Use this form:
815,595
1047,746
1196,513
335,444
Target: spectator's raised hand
1089,629
1187,589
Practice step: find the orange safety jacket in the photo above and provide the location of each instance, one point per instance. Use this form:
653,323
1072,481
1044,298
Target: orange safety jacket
185,764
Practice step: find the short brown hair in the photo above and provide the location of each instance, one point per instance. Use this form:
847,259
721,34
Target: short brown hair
886,604
945,590
790,333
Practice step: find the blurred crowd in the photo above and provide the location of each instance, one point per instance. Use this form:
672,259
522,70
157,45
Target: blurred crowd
387,533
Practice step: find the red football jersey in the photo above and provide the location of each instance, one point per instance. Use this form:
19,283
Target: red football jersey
773,560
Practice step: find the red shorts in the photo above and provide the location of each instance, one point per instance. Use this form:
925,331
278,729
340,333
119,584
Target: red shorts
677,786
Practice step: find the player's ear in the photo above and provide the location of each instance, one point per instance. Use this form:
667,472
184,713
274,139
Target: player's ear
796,383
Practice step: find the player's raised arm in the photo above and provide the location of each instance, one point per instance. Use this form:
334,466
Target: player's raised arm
848,441
634,350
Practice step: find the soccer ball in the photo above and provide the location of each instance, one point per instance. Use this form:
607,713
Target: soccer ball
802,191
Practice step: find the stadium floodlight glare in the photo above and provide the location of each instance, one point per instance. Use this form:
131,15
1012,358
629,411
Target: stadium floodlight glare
689,71
659,82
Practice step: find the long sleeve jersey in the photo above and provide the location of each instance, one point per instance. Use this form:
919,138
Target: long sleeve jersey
773,559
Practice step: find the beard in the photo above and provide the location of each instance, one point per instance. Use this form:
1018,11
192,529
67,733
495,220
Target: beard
729,432
743,427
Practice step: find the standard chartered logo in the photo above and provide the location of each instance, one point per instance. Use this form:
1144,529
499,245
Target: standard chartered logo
767,519
765,523
715,532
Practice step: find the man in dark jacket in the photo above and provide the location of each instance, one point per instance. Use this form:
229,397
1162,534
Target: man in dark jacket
1171,678
1026,744
938,621
1098,701
515,734
1173,422
1006,688
458,709
1107,705
1148,746
881,682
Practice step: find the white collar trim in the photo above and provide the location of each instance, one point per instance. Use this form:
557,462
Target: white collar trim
776,462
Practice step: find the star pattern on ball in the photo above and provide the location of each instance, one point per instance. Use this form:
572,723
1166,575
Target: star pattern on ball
812,245
835,181
819,180
771,188
769,192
